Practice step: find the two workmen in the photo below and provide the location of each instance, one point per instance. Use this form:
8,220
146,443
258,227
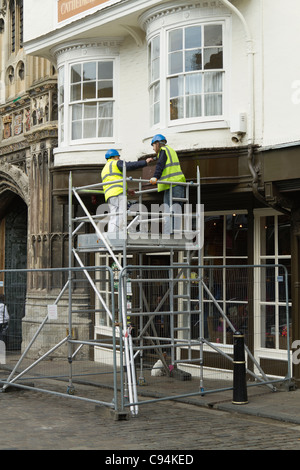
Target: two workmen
167,169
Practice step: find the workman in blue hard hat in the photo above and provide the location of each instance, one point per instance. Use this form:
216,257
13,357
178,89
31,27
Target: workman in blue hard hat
112,176
168,168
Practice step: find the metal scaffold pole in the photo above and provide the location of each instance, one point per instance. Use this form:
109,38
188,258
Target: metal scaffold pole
70,388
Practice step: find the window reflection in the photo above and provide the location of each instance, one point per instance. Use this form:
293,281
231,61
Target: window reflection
236,235
213,235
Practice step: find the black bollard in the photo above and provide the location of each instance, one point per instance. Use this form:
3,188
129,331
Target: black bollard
239,370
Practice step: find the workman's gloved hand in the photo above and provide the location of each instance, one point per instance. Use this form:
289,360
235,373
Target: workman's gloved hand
153,180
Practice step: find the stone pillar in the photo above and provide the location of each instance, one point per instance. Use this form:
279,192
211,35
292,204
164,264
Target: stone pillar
48,248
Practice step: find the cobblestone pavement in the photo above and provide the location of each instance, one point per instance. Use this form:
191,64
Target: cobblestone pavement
37,421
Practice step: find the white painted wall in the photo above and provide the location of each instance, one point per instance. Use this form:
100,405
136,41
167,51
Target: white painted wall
39,18
281,45
275,44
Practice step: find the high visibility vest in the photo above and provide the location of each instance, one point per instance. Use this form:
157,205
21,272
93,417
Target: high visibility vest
113,179
172,170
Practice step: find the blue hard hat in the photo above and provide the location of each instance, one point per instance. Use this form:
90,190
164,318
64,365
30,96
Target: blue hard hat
158,138
111,153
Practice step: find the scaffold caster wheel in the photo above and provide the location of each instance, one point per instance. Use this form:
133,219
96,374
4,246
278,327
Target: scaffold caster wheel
70,390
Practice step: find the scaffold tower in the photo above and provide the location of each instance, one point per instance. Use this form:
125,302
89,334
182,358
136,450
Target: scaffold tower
135,325
181,246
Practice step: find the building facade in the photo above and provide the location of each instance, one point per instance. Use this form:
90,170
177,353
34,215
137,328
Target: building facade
204,73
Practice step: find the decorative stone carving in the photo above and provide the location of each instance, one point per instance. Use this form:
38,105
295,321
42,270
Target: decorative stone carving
14,178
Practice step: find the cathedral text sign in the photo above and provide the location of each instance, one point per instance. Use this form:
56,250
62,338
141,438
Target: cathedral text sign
69,8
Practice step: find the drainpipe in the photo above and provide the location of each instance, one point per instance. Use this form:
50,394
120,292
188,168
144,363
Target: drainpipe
251,117
250,59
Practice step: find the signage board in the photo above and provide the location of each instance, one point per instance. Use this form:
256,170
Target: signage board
69,8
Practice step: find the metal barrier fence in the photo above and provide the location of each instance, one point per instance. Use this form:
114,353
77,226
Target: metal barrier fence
51,332
181,321
185,319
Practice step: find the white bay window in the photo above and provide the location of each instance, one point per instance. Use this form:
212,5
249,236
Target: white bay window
187,74
87,93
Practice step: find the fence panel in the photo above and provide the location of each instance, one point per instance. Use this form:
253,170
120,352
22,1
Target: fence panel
50,343
67,328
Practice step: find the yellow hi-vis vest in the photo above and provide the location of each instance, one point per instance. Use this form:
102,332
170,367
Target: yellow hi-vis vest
172,170
113,179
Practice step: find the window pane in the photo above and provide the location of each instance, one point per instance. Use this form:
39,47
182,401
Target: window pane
76,73
213,105
156,92
268,326
175,40
90,110
156,116
213,35
89,71
61,95
154,102
213,82
89,129
268,282
77,130
193,84
105,109
61,120
61,82
284,329
213,235
76,112
105,89
89,90
176,108
176,87
281,280
193,60
193,37
155,70
105,128
284,242
236,235
175,63
213,58
193,106
267,236
105,70
75,92
155,48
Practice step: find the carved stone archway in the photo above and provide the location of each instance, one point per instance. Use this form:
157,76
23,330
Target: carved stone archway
13,179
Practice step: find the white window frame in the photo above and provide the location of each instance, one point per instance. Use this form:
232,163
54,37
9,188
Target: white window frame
260,259
203,122
61,104
67,121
